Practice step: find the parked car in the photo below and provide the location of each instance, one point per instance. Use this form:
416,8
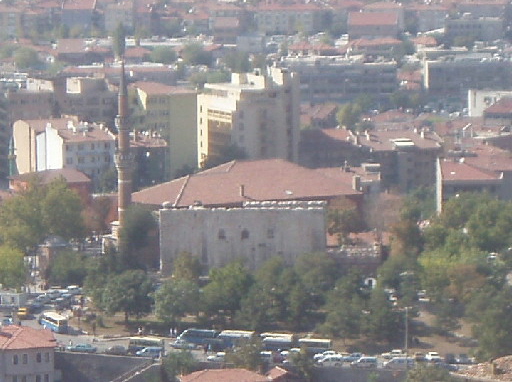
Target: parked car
352,357
217,357
419,357
181,344
74,289
82,348
463,359
399,363
150,351
43,298
450,358
116,350
319,356
433,356
331,360
365,363
394,353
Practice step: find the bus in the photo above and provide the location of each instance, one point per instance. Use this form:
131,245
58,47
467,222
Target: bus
277,341
315,345
234,338
136,344
54,321
198,336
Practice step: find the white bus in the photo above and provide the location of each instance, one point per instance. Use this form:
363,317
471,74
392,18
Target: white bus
54,321
277,341
315,345
234,338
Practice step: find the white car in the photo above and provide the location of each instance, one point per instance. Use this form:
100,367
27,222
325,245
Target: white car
319,356
399,363
433,356
217,357
394,353
335,360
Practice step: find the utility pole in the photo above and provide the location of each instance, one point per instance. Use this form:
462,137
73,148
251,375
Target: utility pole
406,329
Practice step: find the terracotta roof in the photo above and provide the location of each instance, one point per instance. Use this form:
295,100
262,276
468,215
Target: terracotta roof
456,171
14,337
390,140
424,40
79,4
365,42
384,5
490,158
156,88
224,375
90,135
39,125
502,106
268,179
136,51
71,175
372,18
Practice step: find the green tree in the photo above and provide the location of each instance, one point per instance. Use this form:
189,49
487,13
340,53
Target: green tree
163,54
429,374
26,58
348,115
343,222
380,321
38,211
186,267
247,356
194,54
61,211
304,364
237,61
66,268
135,235
13,272
128,292
119,40
174,299
179,363
227,287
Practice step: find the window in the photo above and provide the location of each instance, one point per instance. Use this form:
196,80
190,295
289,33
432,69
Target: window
222,234
245,234
80,147
92,146
24,378
25,359
270,233
47,357
69,160
38,357
69,148
15,359
81,160
38,378
107,145
46,378
15,378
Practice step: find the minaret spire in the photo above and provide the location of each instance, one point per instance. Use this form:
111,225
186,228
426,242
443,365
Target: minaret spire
123,157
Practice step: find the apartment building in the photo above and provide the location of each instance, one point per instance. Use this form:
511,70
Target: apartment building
373,24
289,18
338,79
121,12
26,354
78,13
257,112
453,77
478,28
47,144
171,112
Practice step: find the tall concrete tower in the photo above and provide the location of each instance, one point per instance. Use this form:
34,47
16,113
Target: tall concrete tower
123,157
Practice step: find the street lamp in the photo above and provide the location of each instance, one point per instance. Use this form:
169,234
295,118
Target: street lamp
406,344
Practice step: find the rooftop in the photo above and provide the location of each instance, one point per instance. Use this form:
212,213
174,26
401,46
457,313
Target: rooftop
14,337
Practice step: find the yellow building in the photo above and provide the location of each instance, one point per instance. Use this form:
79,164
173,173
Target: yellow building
257,113
170,112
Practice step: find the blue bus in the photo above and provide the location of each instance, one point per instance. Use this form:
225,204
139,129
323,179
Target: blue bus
198,336
54,321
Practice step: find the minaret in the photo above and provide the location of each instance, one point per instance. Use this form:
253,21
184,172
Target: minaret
123,157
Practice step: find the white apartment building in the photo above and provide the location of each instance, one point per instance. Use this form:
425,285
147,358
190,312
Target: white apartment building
85,147
257,112
26,354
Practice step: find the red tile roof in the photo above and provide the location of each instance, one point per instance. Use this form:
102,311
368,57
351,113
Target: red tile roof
79,4
502,106
268,179
224,375
456,171
71,175
156,88
14,337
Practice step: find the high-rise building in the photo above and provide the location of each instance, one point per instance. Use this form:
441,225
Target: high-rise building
256,112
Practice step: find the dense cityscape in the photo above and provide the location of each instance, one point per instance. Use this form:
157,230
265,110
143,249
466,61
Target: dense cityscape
278,190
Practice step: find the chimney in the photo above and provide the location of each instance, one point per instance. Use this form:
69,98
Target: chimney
356,182
242,191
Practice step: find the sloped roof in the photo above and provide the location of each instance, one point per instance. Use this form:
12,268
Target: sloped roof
268,179
372,18
71,175
457,171
14,337
224,375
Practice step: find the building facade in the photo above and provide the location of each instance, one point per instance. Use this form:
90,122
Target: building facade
259,113
255,232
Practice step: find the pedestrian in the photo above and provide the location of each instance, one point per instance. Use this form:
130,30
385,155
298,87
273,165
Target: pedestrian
205,348
70,343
